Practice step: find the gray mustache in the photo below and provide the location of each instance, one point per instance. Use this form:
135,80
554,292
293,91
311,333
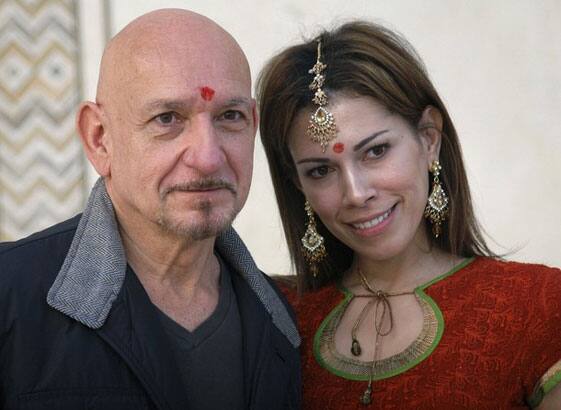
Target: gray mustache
203,183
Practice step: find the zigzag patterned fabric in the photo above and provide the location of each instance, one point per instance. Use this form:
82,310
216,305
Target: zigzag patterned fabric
42,168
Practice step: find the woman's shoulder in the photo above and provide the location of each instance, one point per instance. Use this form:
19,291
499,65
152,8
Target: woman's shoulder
518,273
536,287
304,300
525,287
503,265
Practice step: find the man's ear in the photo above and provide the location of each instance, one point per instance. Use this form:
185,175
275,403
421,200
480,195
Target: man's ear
255,115
430,131
94,137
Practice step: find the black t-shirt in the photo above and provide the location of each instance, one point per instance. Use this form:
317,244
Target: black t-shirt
210,357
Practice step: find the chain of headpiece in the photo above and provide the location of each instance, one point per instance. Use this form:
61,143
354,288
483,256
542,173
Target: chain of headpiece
322,127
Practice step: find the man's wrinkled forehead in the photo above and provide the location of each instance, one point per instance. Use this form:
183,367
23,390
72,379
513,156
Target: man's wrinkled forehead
185,49
195,61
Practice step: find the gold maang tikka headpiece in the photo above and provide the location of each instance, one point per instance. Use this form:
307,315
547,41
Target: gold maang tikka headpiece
322,125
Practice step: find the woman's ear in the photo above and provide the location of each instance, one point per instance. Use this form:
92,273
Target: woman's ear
89,123
430,130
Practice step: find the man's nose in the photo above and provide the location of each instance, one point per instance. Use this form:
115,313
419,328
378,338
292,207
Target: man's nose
204,151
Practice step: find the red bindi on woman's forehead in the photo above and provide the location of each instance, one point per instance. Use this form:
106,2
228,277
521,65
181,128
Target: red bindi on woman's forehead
338,147
207,93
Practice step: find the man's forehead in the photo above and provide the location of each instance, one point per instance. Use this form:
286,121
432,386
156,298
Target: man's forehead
188,103
171,28
197,41
183,85
169,56
185,63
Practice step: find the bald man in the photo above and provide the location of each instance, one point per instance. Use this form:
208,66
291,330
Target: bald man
149,299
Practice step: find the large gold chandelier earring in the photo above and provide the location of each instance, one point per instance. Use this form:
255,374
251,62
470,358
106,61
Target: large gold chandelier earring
436,210
313,246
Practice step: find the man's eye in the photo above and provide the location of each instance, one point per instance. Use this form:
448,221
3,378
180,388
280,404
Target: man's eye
233,115
167,118
318,172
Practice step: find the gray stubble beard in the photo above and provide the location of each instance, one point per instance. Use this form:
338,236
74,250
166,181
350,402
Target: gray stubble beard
208,227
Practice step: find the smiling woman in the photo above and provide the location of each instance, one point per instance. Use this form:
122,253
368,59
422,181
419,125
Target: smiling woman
386,166
401,303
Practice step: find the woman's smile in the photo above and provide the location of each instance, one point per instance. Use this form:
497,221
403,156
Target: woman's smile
374,225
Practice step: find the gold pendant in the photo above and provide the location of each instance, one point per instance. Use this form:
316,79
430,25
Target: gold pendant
355,348
366,397
321,128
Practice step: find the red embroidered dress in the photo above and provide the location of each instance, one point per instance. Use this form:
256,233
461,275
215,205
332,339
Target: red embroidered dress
492,330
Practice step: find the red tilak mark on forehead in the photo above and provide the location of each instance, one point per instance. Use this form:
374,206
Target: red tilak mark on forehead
207,93
338,147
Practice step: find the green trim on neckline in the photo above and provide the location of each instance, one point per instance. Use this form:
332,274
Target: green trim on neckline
547,383
319,332
420,293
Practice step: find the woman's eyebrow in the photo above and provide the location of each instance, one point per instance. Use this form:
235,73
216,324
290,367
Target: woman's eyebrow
366,140
320,160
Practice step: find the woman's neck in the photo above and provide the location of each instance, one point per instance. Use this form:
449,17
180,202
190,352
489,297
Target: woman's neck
401,273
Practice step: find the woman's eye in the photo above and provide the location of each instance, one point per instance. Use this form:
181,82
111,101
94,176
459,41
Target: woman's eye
319,172
377,151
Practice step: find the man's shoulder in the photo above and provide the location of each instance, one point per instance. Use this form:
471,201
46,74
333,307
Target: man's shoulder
284,286
271,280
40,254
37,240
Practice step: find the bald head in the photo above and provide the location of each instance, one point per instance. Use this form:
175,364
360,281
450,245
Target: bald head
169,38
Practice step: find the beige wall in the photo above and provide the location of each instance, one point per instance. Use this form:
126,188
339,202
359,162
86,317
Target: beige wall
496,64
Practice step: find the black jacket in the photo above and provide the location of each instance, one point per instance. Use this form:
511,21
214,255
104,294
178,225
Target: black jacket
49,360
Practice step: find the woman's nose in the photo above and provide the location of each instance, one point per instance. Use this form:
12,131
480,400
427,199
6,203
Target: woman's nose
357,188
